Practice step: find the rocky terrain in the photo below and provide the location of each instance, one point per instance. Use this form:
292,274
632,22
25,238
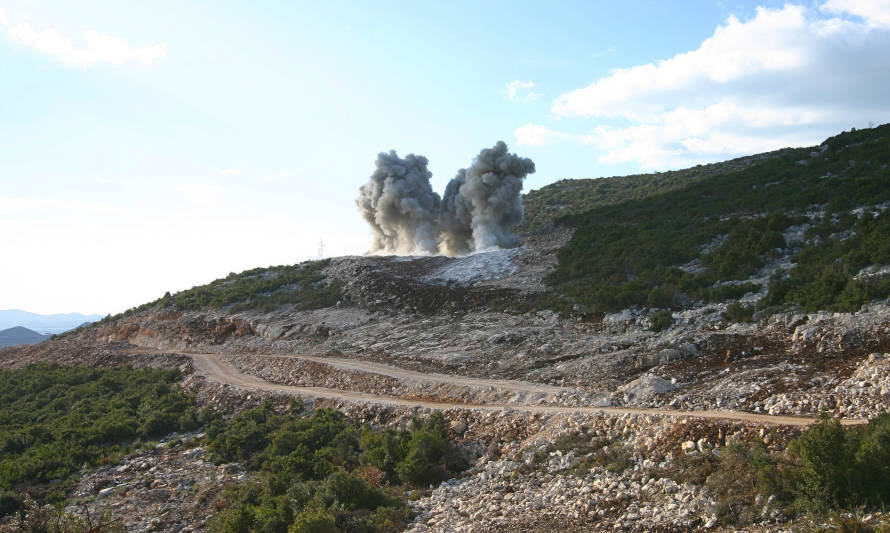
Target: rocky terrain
573,420
405,333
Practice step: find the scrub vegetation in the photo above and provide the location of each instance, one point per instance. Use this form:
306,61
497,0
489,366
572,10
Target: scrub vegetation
54,420
311,472
325,472
681,243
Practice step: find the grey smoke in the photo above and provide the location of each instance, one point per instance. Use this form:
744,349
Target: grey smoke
485,199
456,219
480,205
400,205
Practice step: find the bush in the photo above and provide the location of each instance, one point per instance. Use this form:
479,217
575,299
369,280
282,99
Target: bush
829,468
314,521
661,320
736,312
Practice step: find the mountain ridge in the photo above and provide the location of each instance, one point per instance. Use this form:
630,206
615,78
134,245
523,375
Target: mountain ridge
49,324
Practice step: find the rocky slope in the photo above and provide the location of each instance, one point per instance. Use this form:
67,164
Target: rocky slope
479,331
439,315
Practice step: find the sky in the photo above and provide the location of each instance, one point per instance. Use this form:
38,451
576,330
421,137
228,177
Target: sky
153,146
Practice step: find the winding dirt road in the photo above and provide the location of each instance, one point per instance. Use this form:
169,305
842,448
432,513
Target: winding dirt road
213,368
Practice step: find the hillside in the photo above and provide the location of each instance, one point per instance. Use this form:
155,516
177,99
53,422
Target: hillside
19,335
575,196
821,209
653,357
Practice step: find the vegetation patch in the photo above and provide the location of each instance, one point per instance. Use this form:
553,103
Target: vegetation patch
827,470
54,420
569,197
325,472
672,247
318,472
661,320
825,276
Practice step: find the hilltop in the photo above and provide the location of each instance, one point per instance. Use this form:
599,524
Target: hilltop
652,336
19,335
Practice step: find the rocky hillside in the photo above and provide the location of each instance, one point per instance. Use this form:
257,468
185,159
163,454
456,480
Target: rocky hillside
652,334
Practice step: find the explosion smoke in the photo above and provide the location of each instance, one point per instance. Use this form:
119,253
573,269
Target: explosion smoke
480,204
486,199
400,205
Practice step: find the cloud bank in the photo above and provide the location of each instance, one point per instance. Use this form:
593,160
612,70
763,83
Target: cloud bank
786,77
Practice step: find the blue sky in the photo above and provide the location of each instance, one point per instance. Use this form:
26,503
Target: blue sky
147,147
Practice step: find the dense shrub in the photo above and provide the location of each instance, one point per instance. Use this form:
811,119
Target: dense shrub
54,419
736,312
824,275
661,320
832,468
826,469
727,224
324,472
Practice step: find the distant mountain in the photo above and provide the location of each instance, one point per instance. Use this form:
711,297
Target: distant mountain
49,324
19,335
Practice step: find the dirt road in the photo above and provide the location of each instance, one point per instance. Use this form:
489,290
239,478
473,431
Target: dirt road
213,368
424,377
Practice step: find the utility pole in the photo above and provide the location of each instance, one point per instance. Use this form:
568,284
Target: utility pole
321,248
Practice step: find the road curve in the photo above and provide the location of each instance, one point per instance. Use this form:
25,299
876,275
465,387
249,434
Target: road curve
213,368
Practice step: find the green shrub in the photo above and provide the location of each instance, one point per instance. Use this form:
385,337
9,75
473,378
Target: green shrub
312,478
736,312
829,468
661,320
314,521
615,458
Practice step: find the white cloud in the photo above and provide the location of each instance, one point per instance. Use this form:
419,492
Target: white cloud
786,77
875,12
202,195
231,172
521,91
97,47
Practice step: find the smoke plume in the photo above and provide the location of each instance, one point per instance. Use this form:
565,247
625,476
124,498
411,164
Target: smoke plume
456,219
400,205
485,199
480,205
